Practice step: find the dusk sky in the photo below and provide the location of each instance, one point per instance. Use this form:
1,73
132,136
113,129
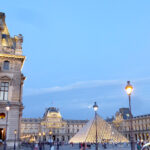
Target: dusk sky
81,51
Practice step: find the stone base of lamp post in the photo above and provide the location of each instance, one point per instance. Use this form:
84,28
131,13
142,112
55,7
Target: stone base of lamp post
132,144
10,143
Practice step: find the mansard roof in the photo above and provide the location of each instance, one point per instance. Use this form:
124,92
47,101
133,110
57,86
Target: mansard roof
7,41
76,121
142,116
51,110
31,120
9,46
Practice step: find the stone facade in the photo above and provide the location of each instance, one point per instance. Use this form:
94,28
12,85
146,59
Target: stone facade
51,126
11,83
141,125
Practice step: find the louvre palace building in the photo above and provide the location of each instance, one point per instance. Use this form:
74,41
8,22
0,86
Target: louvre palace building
50,126
53,126
11,84
141,124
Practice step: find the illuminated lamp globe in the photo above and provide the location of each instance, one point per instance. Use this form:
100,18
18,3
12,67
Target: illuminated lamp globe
50,133
129,88
43,133
39,133
15,132
95,107
8,106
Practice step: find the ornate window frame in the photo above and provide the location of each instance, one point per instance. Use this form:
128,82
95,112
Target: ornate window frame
6,65
8,80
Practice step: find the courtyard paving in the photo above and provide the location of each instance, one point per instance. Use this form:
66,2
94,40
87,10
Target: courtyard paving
76,147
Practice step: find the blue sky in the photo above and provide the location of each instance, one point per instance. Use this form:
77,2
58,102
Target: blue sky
79,52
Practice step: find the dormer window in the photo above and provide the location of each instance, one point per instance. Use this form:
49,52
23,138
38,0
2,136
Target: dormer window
6,65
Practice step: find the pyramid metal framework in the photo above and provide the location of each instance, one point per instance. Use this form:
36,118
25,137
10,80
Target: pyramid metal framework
104,133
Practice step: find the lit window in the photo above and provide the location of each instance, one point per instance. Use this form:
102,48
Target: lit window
4,91
6,65
2,115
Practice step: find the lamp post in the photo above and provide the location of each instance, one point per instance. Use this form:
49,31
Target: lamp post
40,136
43,136
43,140
7,110
95,107
129,90
50,141
15,133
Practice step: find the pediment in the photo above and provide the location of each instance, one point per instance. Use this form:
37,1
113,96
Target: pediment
5,78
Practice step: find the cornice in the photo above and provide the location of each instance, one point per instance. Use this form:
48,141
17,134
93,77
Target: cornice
14,57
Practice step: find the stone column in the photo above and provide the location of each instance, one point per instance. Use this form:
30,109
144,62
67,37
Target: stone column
1,29
0,40
19,40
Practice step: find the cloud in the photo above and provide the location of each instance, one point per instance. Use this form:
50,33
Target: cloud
109,95
81,85
77,85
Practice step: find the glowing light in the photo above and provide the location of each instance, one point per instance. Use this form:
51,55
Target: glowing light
95,107
50,132
87,133
15,132
129,88
39,133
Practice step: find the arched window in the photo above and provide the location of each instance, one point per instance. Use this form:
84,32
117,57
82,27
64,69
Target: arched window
2,115
6,65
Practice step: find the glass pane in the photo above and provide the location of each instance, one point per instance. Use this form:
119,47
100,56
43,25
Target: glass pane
2,89
1,95
6,88
6,65
2,84
6,84
6,96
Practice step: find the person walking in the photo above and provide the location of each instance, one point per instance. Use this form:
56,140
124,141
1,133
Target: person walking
57,145
36,146
40,146
139,146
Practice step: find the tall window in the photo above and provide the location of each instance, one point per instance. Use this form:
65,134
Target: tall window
4,91
6,65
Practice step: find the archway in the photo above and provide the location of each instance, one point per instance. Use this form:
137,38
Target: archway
62,138
54,137
2,115
2,134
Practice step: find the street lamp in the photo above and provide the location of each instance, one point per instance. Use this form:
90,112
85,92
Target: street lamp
44,140
15,133
7,110
129,89
50,133
40,136
95,107
50,141
43,136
